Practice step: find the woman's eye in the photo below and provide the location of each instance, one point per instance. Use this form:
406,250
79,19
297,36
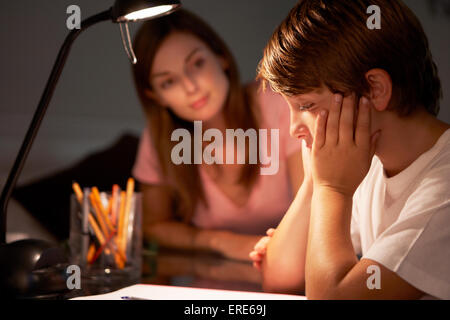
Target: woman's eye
199,63
306,107
167,83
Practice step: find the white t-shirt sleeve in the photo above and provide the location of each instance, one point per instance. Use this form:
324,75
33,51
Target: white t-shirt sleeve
417,245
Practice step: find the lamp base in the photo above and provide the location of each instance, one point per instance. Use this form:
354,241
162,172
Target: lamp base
32,269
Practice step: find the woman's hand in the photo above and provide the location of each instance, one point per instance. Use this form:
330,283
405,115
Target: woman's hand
230,245
259,251
343,147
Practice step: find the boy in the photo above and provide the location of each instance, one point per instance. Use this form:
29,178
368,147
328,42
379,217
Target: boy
354,93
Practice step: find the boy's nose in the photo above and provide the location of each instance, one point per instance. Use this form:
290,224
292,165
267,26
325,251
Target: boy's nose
297,126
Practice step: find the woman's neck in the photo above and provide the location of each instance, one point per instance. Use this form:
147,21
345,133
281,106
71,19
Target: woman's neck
217,122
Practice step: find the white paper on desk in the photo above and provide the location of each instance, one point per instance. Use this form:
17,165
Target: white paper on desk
158,292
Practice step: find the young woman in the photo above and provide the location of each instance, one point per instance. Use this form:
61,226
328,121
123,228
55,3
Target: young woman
185,73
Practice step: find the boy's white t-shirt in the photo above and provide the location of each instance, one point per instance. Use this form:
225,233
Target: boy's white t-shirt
403,222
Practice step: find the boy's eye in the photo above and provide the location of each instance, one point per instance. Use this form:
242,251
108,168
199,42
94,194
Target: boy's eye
306,107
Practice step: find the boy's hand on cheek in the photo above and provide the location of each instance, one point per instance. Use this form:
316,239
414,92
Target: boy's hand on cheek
306,161
343,147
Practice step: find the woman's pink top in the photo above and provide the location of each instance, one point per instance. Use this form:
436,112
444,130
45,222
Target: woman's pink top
271,194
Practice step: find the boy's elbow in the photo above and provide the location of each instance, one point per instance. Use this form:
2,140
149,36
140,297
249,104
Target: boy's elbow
277,282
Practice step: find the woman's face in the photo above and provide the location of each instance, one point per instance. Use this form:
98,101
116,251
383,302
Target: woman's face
189,78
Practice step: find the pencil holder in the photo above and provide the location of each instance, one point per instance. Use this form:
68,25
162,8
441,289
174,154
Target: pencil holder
106,238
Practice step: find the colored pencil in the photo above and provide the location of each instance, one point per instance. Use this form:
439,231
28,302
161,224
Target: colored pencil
128,199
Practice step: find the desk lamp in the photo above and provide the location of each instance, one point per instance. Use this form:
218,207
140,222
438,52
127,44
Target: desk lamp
34,268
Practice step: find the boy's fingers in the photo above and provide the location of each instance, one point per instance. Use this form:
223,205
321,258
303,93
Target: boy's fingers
255,256
261,246
320,130
346,124
362,134
332,134
270,232
257,265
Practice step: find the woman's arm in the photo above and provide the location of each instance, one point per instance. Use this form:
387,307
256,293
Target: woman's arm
160,225
205,266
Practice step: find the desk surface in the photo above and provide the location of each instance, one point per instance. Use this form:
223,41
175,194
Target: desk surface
188,269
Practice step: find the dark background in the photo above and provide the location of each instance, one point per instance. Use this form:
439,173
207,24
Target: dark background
95,101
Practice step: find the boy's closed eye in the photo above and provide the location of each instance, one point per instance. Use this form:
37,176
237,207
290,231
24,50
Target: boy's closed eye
306,107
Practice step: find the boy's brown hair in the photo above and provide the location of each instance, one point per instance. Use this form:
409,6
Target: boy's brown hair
326,42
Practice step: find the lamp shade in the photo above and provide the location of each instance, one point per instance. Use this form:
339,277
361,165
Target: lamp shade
133,10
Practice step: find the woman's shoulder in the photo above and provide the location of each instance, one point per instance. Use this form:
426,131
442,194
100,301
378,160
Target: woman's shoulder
264,93
270,104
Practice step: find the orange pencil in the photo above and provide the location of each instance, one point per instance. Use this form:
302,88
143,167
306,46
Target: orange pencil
114,198
91,220
101,238
102,247
121,221
78,193
102,210
96,229
129,196
98,214
119,258
91,252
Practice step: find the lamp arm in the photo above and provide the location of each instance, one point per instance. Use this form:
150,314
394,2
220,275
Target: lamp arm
39,115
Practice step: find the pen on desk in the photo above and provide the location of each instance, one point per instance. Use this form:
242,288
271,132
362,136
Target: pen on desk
132,298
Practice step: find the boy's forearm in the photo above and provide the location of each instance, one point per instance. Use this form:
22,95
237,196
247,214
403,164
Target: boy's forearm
330,254
284,263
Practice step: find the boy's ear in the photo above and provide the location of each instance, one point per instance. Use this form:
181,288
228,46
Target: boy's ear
380,88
